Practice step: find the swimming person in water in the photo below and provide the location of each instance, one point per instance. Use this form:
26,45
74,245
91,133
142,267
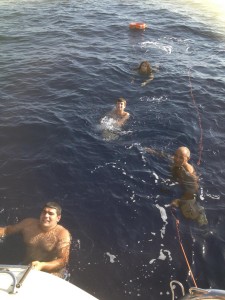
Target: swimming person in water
47,242
184,173
113,121
118,113
146,70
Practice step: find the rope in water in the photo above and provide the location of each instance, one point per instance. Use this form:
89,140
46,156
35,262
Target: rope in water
200,144
182,248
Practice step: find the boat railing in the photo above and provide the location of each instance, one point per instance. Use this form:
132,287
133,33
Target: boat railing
15,283
6,271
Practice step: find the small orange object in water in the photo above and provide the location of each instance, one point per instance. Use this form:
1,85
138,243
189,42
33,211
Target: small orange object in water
137,25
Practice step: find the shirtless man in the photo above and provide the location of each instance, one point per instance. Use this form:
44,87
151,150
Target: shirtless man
185,174
119,114
47,243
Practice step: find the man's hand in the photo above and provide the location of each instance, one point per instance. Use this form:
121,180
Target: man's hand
37,265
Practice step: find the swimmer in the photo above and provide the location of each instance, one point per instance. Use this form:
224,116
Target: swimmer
118,114
47,242
146,69
185,174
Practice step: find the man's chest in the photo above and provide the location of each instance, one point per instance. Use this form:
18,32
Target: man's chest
46,241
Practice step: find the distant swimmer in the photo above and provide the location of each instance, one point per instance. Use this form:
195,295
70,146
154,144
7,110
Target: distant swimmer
145,69
185,174
113,121
118,113
47,242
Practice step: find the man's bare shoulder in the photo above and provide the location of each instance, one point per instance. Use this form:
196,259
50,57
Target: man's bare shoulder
28,223
63,231
190,169
64,237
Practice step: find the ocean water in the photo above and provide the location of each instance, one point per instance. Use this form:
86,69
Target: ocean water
63,64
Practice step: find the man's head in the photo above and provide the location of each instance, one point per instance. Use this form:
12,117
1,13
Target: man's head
54,205
50,215
121,100
121,103
181,156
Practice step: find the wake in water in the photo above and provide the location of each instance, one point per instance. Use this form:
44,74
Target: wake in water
110,129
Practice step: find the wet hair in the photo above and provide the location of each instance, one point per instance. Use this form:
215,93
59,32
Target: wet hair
121,100
149,70
54,205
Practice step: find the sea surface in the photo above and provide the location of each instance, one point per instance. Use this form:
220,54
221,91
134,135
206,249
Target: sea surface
63,64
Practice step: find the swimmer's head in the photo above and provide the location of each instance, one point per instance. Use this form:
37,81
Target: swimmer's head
55,206
181,156
144,67
120,104
121,100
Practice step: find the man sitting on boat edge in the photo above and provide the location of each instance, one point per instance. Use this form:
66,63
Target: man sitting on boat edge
47,242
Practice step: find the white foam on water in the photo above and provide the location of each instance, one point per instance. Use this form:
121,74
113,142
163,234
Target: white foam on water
164,218
157,45
163,255
156,177
111,257
215,197
109,123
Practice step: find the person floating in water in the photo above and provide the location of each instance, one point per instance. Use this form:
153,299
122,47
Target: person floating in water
113,121
111,124
184,173
47,242
146,70
118,113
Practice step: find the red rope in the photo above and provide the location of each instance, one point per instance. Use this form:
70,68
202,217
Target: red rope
200,144
182,248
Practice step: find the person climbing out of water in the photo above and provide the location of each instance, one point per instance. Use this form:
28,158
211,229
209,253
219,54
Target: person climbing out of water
145,69
47,242
118,114
184,173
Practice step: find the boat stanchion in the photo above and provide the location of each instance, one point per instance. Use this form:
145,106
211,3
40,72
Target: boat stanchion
19,284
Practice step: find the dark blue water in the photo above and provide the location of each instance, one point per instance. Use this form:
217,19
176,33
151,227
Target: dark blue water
63,64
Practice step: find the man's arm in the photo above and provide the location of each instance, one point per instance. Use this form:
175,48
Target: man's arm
151,77
158,153
12,229
62,255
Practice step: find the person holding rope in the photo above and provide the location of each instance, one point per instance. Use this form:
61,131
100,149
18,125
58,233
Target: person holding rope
185,174
47,242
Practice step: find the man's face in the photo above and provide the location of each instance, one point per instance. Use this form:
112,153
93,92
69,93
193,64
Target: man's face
180,158
120,106
49,218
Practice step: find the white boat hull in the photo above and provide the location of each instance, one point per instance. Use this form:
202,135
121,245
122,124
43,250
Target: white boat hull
37,285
